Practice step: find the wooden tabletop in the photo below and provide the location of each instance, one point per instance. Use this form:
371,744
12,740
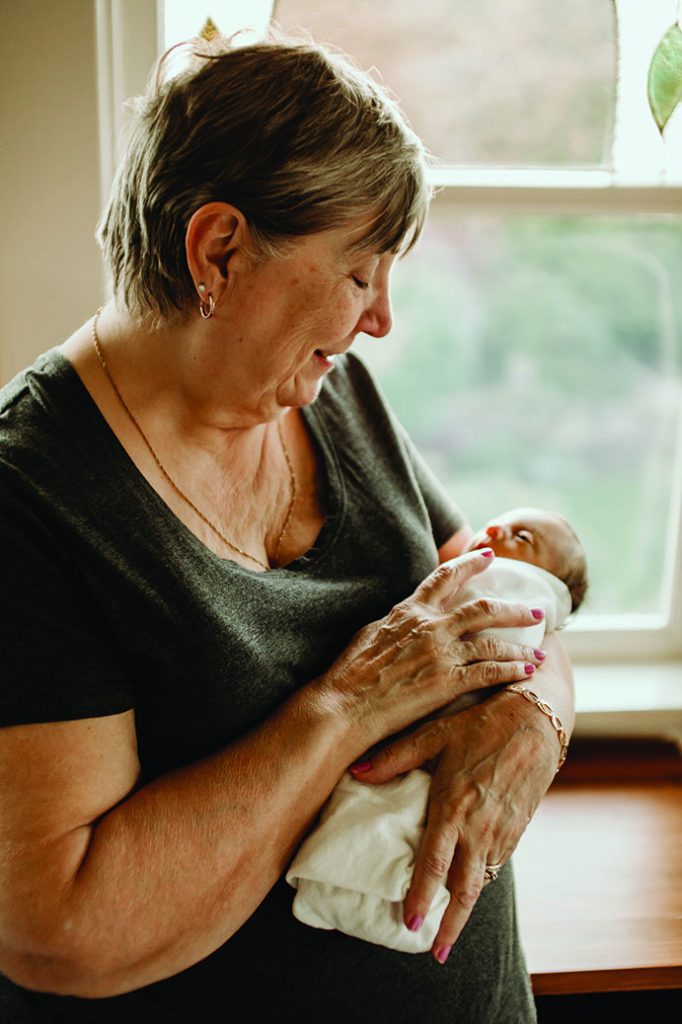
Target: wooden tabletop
599,875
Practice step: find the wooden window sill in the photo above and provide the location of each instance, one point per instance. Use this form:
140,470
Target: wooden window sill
598,873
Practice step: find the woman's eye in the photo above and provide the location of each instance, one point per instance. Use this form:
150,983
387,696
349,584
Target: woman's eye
360,283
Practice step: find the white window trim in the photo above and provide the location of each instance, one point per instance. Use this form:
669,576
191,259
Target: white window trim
546,190
619,699
127,46
594,638
628,670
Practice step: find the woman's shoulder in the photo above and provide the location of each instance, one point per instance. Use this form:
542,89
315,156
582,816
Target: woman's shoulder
41,420
351,373
26,397
352,392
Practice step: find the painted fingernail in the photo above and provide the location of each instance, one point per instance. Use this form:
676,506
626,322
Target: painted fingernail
443,953
537,613
360,767
529,669
487,552
415,922
540,655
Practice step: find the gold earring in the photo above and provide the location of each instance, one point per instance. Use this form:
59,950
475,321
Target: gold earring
206,307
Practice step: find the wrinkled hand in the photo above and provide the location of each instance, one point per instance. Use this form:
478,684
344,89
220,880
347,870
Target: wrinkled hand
494,763
426,652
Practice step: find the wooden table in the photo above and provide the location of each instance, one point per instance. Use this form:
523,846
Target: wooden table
599,883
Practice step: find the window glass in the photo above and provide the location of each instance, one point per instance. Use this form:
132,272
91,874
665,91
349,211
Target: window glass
485,81
536,360
183,19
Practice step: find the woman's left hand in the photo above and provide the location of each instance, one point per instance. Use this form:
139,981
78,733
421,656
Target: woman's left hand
495,761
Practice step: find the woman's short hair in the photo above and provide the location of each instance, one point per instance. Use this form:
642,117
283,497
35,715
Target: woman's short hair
289,132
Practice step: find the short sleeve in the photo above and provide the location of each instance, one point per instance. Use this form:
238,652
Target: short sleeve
58,661
445,515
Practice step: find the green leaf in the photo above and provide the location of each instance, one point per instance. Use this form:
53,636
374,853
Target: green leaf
665,77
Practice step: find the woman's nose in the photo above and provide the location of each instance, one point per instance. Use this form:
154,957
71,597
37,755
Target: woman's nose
377,319
378,323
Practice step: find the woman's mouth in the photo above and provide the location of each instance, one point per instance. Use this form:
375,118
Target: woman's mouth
325,358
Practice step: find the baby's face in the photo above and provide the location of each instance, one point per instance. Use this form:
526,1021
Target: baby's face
528,535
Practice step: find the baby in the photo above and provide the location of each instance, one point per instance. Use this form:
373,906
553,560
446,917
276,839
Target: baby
353,871
543,539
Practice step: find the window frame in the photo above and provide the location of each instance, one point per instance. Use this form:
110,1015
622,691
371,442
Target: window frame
596,638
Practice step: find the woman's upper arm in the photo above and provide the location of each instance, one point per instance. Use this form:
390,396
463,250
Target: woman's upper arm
58,778
456,544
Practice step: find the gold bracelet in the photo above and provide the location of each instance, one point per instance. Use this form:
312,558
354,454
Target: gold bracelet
548,710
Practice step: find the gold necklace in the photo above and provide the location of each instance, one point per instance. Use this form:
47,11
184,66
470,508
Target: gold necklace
235,547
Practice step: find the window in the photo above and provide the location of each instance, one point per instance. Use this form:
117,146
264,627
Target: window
466,72
182,19
540,317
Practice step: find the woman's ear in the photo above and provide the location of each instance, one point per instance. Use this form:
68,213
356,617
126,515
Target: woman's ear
215,233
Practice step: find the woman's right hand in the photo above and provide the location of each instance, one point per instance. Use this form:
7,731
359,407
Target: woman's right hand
426,652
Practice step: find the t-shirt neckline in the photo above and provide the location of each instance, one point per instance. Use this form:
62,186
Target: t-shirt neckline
322,440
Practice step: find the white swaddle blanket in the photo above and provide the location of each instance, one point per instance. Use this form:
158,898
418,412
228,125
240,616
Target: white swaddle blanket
353,871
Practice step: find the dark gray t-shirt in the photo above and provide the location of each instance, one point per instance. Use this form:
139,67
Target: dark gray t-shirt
111,603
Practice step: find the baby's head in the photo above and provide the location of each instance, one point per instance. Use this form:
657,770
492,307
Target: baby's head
542,538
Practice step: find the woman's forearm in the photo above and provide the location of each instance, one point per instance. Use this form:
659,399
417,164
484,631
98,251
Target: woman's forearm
554,682
553,685
175,869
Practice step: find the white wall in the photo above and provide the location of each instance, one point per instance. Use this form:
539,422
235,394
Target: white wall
50,271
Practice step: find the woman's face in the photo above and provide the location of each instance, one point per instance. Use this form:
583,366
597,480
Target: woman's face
288,318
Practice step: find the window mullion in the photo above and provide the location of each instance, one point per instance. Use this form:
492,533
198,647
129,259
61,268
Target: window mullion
506,192
673,582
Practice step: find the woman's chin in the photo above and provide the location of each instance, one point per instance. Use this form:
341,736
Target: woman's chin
301,395
305,386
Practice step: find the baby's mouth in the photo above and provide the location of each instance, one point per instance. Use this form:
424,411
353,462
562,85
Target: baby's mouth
476,543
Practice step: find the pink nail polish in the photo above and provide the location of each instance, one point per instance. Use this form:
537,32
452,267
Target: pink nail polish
487,552
415,922
537,613
443,953
360,767
540,655
529,669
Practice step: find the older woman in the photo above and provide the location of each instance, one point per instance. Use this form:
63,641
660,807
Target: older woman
220,561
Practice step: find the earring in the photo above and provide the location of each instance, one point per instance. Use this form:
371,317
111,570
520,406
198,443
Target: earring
206,307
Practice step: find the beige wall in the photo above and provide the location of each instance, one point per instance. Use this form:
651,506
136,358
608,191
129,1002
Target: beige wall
50,271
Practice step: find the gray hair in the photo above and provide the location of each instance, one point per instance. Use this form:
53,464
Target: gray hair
291,133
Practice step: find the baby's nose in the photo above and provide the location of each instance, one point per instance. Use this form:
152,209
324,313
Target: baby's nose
496,532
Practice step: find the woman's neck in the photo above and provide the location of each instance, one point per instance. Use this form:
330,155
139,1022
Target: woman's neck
231,464
176,374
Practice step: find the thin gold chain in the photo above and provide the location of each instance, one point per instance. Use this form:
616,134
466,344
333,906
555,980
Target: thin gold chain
235,547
